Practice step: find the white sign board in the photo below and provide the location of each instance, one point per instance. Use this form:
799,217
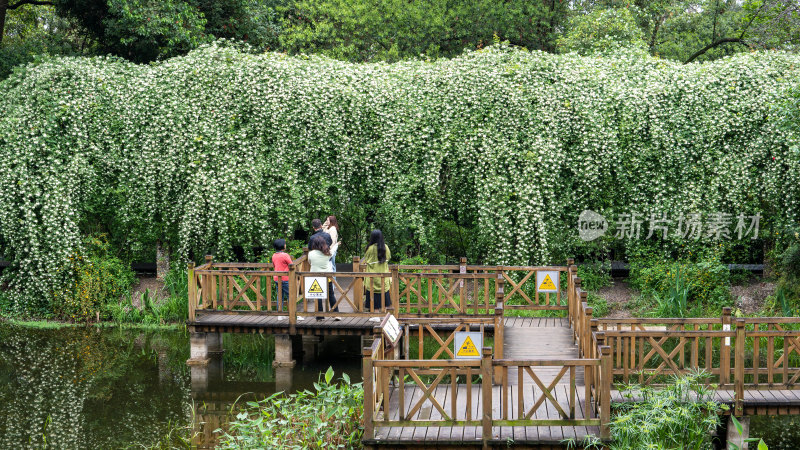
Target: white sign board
468,344
316,287
547,281
391,329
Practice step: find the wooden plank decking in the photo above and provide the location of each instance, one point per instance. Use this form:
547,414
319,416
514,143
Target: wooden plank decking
471,435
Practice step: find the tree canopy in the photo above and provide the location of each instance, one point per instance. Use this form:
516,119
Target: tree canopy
390,30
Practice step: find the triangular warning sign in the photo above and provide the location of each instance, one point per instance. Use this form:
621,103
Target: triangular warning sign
315,288
547,283
468,348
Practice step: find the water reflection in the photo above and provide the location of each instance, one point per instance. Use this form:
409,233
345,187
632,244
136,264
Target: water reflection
77,388
778,432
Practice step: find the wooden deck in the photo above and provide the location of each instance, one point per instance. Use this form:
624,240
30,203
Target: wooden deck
471,435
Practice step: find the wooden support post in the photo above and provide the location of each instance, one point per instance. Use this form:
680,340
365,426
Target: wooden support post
462,298
499,323
292,300
586,347
395,291
358,286
579,311
369,400
572,311
209,260
606,377
725,350
192,292
306,265
738,375
486,396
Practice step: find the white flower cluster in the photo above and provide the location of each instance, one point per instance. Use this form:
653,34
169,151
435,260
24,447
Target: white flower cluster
222,148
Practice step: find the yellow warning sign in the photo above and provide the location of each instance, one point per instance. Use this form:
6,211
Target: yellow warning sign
315,288
547,284
468,348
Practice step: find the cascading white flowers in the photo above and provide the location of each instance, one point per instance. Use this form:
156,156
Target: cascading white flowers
222,148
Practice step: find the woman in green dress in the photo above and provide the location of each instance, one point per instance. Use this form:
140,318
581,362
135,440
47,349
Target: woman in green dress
377,261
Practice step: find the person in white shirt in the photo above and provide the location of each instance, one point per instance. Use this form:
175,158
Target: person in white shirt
331,226
319,257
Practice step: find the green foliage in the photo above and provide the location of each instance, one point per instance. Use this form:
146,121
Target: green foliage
330,417
599,305
152,310
679,416
731,446
93,280
37,30
681,285
293,247
147,30
594,275
674,303
389,30
601,31
216,150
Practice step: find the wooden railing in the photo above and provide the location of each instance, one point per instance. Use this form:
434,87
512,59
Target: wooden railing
475,396
416,290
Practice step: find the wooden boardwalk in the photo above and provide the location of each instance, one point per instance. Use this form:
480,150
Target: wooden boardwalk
524,338
539,381
471,435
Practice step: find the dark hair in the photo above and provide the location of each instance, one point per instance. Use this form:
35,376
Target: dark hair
279,244
318,243
376,238
332,222
316,223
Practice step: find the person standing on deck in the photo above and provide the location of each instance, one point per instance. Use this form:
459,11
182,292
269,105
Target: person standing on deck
320,259
316,224
280,263
331,226
377,259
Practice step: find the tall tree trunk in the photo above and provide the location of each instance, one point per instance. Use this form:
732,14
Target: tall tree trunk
162,259
3,11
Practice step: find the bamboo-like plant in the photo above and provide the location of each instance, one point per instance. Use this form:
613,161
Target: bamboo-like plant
330,417
678,416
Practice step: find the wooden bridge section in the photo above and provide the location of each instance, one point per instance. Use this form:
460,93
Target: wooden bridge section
538,381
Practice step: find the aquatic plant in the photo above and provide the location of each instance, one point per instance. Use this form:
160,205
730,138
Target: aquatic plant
329,417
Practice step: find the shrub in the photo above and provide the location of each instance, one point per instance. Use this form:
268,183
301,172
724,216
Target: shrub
213,150
599,305
330,417
594,275
152,310
680,415
706,282
97,278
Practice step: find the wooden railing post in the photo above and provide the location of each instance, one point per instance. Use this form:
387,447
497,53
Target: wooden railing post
586,345
462,300
192,291
725,350
738,375
486,396
499,324
606,377
292,300
571,311
369,400
396,289
358,286
305,266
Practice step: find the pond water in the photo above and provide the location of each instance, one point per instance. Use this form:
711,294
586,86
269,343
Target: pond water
778,432
111,388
